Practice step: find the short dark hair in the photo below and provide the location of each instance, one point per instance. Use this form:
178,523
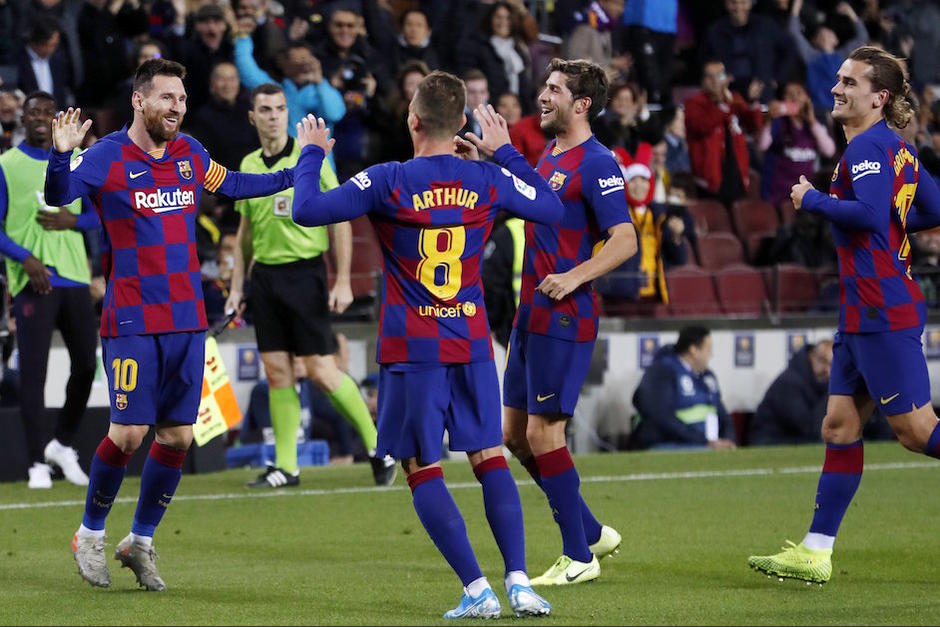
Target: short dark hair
42,28
585,79
39,95
439,103
693,335
408,67
156,67
474,75
265,89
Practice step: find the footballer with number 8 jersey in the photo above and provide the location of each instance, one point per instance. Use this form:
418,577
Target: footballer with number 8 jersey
879,193
433,215
553,335
145,182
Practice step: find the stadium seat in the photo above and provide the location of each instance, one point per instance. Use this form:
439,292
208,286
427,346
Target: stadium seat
753,215
754,242
613,306
787,211
691,292
366,260
741,290
795,287
717,250
712,213
753,184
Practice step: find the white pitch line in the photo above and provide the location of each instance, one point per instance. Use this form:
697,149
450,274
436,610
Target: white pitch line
643,476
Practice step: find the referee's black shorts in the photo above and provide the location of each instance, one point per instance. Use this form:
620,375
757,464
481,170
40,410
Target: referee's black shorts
290,307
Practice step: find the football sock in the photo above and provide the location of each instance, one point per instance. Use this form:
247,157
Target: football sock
142,540
348,401
561,484
592,528
933,443
158,481
516,577
94,533
841,474
503,510
285,419
104,481
442,520
477,587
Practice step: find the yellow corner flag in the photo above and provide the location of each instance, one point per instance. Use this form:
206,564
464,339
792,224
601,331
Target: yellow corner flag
218,409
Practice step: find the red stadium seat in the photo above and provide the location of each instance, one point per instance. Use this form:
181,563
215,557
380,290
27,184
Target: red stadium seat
717,250
612,306
753,184
787,211
753,215
691,292
741,290
754,242
712,213
796,287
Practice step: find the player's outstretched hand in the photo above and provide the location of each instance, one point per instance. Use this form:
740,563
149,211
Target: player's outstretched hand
313,131
465,150
799,190
493,127
67,134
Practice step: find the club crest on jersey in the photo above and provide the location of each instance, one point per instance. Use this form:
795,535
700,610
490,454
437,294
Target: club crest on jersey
835,173
120,401
557,180
186,171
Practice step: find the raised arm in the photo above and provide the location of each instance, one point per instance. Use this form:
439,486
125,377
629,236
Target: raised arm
239,185
63,183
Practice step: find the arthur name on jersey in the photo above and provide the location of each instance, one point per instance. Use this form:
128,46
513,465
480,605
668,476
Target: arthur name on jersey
162,200
444,197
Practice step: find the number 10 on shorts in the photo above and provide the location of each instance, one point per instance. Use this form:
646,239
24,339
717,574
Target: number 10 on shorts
125,374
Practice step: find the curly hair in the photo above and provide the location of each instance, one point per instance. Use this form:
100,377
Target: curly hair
888,73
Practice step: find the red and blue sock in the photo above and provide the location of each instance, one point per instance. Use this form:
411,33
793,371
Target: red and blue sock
441,518
561,484
933,443
161,475
107,473
503,510
841,474
592,527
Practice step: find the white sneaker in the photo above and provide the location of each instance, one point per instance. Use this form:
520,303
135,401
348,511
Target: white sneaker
40,476
66,458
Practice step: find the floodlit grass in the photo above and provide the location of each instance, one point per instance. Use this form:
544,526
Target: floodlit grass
339,551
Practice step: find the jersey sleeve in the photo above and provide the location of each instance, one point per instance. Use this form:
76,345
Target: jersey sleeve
872,180
521,190
328,178
926,211
68,178
357,196
602,187
238,185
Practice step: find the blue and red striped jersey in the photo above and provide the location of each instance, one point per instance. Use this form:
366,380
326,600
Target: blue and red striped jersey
432,216
148,208
872,191
591,187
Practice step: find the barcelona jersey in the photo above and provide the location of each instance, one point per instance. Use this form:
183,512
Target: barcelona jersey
148,207
432,216
591,187
871,196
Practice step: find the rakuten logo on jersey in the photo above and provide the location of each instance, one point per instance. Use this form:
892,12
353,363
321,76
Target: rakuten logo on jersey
161,201
865,168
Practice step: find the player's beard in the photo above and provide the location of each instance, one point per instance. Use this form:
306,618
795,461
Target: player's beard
153,122
559,122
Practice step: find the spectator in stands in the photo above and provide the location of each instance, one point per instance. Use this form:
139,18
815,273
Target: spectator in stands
925,265
106,29
267,33
716,119
824,55
391,120
42,65
660,235
627,120
64,13
222,123
305,84
120,114
9,42
202,51
794,405
792,143
755,52
650,36
807,241
678,400
478,94
677,149
11,110
500,52
411,41
591,37
525,133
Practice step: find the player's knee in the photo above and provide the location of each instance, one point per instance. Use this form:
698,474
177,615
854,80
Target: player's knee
127,437
513,439
323,371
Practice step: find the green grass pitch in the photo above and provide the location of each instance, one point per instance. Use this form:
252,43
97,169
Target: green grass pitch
340,551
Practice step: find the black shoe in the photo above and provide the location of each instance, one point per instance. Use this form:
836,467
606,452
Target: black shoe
383,469
274,478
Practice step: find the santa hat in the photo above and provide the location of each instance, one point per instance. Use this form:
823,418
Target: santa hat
636,165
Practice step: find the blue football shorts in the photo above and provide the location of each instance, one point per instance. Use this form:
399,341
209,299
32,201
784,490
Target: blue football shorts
544,374
155,378
418,402
890,366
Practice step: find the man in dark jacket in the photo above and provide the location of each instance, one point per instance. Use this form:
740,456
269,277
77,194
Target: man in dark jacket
794,405
678,399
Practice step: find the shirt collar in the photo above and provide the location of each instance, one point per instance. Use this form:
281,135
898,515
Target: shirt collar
33,151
